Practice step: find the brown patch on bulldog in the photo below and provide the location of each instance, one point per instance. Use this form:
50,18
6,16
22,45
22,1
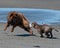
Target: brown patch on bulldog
17,19
44,29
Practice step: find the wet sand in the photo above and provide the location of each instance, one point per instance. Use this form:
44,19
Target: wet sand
43,4
22,39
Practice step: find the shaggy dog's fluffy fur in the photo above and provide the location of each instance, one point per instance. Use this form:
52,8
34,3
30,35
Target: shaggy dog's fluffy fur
17,19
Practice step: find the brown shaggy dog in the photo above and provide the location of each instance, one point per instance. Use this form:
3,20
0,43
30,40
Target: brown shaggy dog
17,19
44,29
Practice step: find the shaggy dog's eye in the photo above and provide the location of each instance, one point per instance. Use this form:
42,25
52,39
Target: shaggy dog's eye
16,14
11,15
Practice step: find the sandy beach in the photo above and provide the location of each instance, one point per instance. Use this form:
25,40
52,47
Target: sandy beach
42,4
21,39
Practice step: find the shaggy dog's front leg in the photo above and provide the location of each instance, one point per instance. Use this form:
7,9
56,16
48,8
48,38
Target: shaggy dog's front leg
13,28
7,25
29,30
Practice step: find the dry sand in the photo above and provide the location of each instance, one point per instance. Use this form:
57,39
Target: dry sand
21,39
43,4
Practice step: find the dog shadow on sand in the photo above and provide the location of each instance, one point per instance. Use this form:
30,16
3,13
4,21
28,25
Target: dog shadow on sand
24,35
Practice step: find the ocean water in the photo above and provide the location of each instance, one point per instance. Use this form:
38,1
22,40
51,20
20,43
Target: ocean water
41,16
